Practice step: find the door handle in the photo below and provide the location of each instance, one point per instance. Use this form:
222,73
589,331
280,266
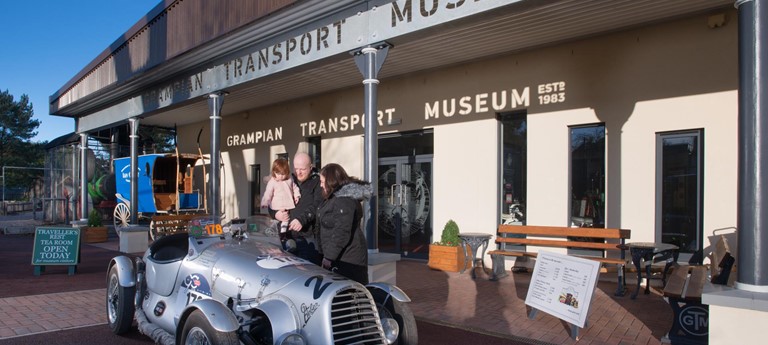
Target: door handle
392,194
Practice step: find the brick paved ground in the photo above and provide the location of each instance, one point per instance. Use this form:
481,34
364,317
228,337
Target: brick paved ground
499,308
33,314
453,299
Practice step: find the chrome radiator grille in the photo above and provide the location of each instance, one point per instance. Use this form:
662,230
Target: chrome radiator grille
354,318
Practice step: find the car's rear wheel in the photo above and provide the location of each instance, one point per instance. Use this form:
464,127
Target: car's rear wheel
197,331
390,308
120,306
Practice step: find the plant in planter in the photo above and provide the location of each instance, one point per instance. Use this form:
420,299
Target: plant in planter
95,231
447,255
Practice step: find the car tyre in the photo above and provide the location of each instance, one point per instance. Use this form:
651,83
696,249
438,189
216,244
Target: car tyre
120,306
399,311
197,331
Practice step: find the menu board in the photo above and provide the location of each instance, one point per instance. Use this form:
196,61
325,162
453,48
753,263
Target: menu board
562,286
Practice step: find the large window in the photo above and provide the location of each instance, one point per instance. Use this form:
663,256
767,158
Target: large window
588,176
679,189
513,168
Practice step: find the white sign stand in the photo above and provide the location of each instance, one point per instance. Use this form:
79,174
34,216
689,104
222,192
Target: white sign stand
563,286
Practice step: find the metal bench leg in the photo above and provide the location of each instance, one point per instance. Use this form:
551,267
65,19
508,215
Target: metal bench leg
498,270
621,289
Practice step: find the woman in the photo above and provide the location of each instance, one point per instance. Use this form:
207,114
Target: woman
341,239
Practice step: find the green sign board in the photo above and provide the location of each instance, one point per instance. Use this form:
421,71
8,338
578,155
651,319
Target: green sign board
56,246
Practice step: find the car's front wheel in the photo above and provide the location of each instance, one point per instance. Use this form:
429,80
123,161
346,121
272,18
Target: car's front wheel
392,309
197,331
120,306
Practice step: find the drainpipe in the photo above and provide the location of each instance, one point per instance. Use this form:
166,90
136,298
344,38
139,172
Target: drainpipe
215,101
752,221
369,61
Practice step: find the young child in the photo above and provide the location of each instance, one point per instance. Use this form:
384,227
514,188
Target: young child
281,193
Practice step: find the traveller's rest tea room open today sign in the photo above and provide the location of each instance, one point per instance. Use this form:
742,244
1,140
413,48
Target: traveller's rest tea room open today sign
56,246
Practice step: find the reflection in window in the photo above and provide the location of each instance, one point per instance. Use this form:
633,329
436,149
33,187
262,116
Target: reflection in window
588,176
513,167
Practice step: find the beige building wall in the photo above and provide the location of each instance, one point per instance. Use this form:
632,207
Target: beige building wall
345,151
736,325
716,113
671,76
548,165
465,178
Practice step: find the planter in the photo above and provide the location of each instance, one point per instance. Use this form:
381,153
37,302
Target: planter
95,234
445,258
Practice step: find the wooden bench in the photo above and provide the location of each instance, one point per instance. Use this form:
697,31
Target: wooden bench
169,224
683,292
560,237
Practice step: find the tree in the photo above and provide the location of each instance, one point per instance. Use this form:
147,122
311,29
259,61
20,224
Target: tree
157,139
17,127
16,124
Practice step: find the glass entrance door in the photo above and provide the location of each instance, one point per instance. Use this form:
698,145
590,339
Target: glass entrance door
405,205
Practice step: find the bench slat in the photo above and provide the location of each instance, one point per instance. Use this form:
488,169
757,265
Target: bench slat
676,282
556,243
564,231
696,283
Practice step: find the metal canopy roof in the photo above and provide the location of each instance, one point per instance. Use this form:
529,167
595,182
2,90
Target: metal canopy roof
521,26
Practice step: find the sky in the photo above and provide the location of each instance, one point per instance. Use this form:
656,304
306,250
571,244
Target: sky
45,43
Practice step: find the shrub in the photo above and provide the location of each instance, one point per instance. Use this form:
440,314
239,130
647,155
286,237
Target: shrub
94,218
450,236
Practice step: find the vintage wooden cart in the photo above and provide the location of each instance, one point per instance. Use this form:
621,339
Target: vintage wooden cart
166,192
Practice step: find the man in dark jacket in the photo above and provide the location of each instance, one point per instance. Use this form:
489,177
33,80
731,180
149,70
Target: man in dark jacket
302,218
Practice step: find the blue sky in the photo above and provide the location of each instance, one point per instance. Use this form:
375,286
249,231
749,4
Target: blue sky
43,44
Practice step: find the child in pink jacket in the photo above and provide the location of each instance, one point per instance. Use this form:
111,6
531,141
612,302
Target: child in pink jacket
281,193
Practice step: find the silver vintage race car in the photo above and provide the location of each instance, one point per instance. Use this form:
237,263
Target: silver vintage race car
235,284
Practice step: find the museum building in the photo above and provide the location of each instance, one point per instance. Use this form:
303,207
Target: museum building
620,114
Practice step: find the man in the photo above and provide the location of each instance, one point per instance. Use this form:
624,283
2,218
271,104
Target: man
302,218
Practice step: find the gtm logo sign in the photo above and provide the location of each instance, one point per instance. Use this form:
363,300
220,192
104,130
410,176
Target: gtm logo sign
695,320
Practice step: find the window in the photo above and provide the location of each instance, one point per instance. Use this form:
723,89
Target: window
513,165
314,151
679,189
588,176
255,189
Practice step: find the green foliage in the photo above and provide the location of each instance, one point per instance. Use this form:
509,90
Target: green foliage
17,127
156,139
450,236
94,218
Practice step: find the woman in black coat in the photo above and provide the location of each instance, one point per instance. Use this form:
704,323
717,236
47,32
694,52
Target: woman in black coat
341,239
